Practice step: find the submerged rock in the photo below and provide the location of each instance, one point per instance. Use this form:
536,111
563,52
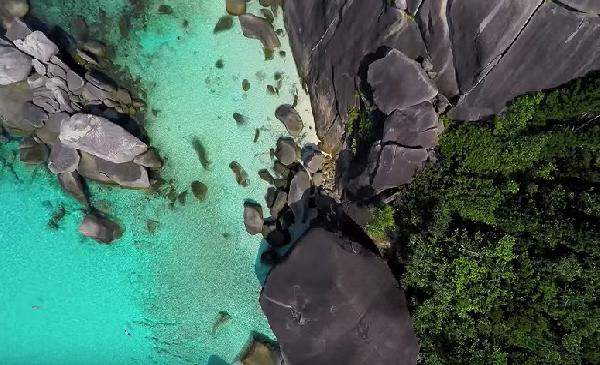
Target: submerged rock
259,28
127,174
100,137
14,65
201,152
262,353
149,159
72,184
346,309
32,152
399,82
199,190
290,118
224,23
253,218
100,229
239,118
241,176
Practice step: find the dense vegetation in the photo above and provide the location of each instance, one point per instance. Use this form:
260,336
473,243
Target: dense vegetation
499,240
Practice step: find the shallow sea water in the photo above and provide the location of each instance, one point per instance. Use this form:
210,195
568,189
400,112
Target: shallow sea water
153,297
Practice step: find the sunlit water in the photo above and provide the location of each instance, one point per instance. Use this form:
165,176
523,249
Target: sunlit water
153,297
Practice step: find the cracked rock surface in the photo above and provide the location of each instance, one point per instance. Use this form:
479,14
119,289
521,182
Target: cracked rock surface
331,301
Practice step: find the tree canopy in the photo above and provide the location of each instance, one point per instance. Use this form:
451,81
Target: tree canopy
499,239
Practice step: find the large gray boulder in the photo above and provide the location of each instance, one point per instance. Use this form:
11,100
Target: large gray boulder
100,229
287,151
100,137
51,130
299,195
585,6
557,45
333,41
17,29
15,66
62,159
397,166
260,28
127,175
38,46
399,82
415,127
290,118
331,301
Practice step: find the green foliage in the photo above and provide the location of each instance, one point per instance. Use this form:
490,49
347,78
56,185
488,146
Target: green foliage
501,239
359,129
382,223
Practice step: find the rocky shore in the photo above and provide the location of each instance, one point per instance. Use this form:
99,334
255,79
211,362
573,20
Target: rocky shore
70,115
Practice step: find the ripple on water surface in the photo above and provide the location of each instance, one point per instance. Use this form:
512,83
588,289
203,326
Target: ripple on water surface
155,296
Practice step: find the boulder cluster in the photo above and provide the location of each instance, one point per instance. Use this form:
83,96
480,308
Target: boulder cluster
295,177
71,117
412,59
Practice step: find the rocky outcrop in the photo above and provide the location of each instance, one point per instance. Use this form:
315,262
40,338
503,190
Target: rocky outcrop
479,55
14,65
260,28
100,137
100,229
331,301
399,82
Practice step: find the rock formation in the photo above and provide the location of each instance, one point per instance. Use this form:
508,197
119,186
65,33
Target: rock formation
399,54
344,308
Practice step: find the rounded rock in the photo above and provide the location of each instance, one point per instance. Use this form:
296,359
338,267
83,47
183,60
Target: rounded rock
287,151
253,218
16,8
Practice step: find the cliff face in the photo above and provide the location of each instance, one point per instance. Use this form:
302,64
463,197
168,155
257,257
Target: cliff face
484,53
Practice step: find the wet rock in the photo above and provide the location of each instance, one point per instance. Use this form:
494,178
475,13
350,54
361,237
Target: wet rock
256,135
17,29
95,48
199,190
290,118
416,126
266,176
275,235
259,28
101,82
219,64
127,175
262,353
268,14
14,65
57,216
72,184
149,159
14,8
165,9
38,46
370,323
50,131
280,169
32,153
224,23
235,7
279,203
201,152
239,118
62,159
100,137
397,166
318,179
245,85
241,176
270,196
299,194
399,82
80,28
253,218
287,151
100,229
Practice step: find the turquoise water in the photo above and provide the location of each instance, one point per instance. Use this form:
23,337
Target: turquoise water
153,297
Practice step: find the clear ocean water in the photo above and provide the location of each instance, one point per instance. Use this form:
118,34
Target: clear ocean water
155,295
